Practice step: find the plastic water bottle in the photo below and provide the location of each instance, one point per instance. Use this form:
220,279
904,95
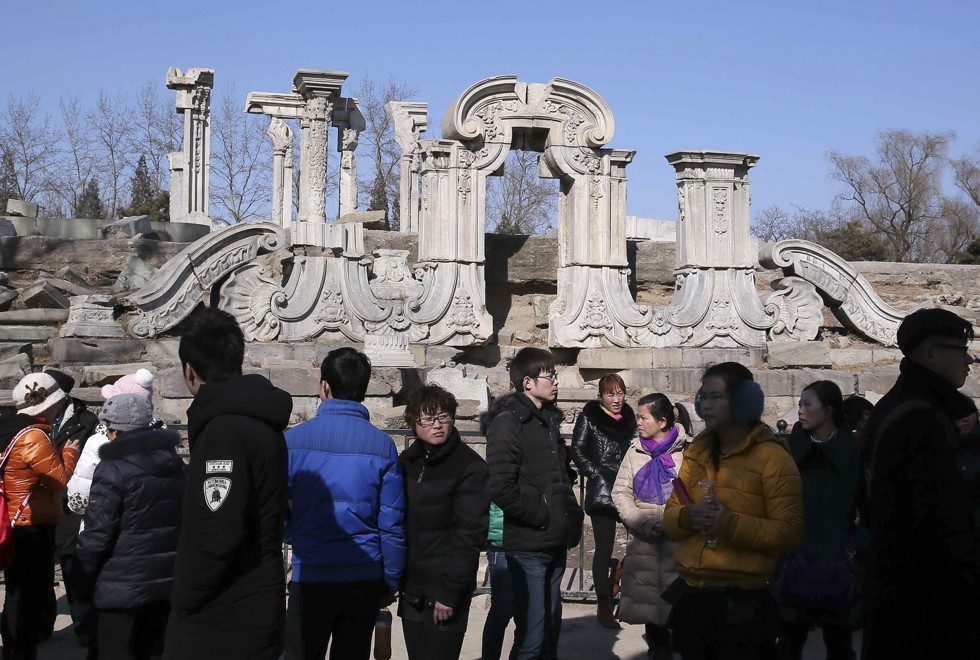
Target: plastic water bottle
382,635
706,489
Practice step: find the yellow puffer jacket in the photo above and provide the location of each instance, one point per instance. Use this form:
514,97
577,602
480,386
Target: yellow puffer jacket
762,494
36,464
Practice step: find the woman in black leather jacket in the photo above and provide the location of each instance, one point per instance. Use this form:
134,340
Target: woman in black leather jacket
600,439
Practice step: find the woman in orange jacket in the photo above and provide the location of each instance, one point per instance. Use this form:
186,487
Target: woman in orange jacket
34,474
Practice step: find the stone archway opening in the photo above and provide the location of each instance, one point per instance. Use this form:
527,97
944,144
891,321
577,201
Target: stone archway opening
522,198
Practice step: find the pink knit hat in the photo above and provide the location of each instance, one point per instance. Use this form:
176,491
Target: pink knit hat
139,383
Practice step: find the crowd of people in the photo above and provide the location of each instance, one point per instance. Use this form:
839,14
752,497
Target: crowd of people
741,541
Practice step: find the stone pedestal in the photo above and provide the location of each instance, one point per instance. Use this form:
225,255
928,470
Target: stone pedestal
91,316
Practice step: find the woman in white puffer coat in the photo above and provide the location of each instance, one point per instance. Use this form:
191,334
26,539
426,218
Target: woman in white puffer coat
643,486
141,383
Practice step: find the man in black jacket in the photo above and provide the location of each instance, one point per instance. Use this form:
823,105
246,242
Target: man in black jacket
923,543
531,482
229,590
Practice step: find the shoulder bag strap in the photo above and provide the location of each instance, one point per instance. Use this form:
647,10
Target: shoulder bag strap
3,464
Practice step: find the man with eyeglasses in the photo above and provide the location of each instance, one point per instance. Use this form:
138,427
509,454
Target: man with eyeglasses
532,483
923,559
346,520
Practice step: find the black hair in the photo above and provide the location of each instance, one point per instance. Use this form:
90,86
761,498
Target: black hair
529,363
212,342
829,395
428,400
855,407
661,408
733,373
347,372
745,404
924,324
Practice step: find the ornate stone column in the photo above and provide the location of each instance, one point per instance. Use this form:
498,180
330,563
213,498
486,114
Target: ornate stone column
410,120
193,183
282,171
319,89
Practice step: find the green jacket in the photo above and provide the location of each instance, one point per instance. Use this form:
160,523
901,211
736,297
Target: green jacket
495,537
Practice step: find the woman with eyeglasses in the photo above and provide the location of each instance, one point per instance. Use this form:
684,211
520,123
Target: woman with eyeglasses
601,436
447,501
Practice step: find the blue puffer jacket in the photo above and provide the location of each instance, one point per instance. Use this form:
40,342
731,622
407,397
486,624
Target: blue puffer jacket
347,518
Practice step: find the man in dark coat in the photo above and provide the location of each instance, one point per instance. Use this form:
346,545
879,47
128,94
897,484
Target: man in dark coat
531,482
923,544
229,591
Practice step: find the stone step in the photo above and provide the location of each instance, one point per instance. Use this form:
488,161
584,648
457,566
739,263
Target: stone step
33,317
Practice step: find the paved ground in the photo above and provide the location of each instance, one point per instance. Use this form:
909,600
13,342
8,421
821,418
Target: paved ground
581,637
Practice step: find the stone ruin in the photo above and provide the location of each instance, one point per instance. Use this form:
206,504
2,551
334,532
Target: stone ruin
418,299
330,288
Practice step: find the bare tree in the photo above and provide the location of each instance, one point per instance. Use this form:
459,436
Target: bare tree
900,193
29,145
966,175
157,131
773,224
377,144
111,123
76,166
519,201
240,162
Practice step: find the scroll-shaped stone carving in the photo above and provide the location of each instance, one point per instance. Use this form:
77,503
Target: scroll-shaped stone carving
177,287
846,292
251,294
800,310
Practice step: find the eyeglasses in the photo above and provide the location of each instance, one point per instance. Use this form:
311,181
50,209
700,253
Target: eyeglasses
426,422
553,377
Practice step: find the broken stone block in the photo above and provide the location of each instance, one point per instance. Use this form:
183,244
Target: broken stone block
92,316
69,288
461,385
370,219
33,317
388,417
7,297
127,227
7,228
103,374
539,306
9,349
43,294
69,275
13,368
783,354
31,333
135,274
21,208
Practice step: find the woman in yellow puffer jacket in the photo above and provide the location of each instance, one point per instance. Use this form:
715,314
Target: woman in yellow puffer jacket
730,539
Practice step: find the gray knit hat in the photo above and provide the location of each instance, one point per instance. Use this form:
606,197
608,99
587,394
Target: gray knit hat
125,412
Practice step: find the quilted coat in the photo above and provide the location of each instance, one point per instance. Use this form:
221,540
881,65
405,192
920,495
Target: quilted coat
599,443
759,486
649,565
35,466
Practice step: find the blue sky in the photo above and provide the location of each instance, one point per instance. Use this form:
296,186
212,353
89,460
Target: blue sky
786,80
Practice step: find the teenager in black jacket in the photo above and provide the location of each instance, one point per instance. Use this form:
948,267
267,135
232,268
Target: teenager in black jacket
601,436
125,553
447,496
532,483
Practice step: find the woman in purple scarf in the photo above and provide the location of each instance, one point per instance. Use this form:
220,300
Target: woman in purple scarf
642,488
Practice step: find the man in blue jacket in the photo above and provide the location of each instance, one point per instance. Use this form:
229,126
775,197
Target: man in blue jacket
346,523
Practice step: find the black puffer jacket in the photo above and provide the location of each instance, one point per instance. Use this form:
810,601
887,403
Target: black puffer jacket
129,544
229,595
78,423
599,443
447,497
530,478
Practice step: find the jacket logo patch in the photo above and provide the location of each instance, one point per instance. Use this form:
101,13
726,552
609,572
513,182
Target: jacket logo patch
216,491
210,467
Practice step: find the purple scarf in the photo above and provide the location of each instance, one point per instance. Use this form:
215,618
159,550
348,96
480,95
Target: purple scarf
652,483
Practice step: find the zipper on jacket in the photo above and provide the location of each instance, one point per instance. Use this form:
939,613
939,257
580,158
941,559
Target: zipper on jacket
421,472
